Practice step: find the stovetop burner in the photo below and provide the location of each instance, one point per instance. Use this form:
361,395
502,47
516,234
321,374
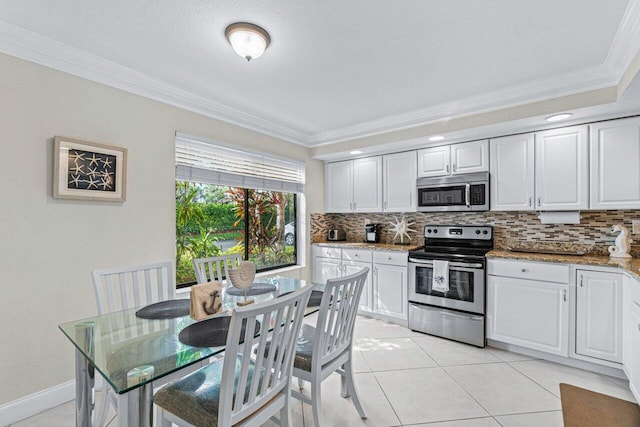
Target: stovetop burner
455,242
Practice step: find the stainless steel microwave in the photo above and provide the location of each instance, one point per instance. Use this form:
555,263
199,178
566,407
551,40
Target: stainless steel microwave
456,193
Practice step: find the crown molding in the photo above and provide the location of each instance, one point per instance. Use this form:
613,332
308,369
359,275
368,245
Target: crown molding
27,45
626,43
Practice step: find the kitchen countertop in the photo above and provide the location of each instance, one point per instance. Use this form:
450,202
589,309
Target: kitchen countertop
630,266
372,246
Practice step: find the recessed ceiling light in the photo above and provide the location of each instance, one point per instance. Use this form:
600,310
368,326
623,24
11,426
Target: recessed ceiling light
558,117
355,152
436,138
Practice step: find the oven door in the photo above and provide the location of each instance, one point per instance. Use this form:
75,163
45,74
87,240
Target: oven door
466,285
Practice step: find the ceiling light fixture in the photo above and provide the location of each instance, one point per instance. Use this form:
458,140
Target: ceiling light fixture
355,152
248,40
436,138
558,117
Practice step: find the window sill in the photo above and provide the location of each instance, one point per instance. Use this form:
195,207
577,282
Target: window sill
185,291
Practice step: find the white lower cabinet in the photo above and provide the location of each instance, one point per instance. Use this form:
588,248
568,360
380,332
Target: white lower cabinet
599,315
631,328
385,291
528,313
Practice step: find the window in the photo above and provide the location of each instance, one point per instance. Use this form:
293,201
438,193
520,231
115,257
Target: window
231,201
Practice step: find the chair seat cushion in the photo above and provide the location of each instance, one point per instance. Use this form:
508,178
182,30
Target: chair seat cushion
195,398
304,348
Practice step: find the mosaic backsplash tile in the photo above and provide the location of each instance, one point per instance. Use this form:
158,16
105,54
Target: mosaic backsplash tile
594,230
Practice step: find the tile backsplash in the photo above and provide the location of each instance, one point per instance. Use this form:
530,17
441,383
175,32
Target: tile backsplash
594,228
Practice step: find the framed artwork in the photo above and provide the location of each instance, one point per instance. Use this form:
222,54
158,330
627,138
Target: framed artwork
88,170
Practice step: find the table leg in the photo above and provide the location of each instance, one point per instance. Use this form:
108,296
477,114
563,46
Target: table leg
85,378
135,408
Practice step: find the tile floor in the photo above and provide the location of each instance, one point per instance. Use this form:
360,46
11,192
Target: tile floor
409,379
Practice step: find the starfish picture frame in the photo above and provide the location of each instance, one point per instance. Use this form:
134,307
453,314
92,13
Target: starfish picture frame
86,170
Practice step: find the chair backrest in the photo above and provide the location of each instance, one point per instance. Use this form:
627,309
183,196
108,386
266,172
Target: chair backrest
122,288
337,316
261,378
215,268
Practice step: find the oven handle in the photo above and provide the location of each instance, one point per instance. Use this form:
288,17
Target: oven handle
457,315
467,195
451,264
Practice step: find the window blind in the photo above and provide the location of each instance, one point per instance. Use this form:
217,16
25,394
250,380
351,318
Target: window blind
215,163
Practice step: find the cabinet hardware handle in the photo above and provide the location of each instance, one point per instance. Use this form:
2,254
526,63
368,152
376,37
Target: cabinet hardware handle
530,200
389,258
581,279
355,255
351,206
524,270
354,206
454,167
564,295
639,326
539,202
447,168
385,205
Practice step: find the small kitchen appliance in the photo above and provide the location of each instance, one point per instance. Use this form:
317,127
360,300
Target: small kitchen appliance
447,282
337,234
372,233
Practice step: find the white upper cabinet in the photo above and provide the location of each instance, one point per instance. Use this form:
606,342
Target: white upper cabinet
338,186
562,176
512,173
615,164
399,173
354,185
468,157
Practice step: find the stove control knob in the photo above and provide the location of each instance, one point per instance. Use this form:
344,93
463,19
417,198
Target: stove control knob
429,230
435,231
477,231
485,232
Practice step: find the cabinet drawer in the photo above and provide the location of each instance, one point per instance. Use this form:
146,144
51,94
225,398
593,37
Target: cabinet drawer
392,257
327,252
357,255
542,271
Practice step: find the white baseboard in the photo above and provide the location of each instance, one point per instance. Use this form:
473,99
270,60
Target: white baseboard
35,403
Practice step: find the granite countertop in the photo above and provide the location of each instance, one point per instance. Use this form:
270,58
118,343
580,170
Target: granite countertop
631,265
372,246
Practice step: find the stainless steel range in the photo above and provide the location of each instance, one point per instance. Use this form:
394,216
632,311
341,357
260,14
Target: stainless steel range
447,282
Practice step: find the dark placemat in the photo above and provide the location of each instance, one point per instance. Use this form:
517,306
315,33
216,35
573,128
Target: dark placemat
210,332
314,299
165,309
254,289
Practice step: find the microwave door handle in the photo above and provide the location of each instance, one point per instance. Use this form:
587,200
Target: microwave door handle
467,194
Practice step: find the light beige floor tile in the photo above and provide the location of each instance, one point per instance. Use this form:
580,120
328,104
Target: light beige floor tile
60,416
296,415
473,422
427,395
509,356
359,362
338,411
393,353
536,419
449,353
373,328
502,390
550,375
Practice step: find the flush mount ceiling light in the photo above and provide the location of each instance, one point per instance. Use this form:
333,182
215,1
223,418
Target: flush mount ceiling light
355,152
248,40
436,138
558,117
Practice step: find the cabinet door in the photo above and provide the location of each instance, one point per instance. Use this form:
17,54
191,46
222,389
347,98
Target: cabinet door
634,380
512,173
470,157
367,184
390,290
352,267
528,313
615,164
562,169
338,191
434,161
599,315
326,268
399,175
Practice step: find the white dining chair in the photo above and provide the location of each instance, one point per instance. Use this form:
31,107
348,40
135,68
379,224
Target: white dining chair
327,347
241,389
123,288
215,268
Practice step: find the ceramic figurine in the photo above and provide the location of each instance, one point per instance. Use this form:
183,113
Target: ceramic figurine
242,277
623,242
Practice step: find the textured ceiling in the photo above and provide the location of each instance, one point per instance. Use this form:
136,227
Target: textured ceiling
335,65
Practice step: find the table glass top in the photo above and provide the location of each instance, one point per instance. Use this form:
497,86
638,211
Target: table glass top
118,342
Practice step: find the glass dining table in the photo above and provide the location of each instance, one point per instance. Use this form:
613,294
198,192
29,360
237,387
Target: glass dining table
130,353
